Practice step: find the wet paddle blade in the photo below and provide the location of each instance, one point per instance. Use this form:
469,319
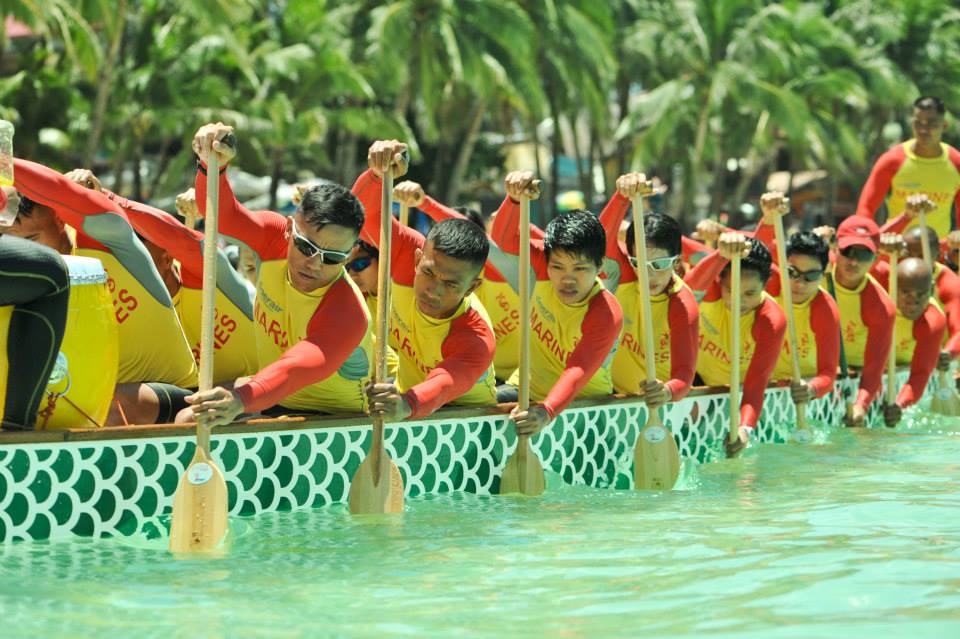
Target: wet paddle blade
376,489
199,519
946,400
656,459
522,474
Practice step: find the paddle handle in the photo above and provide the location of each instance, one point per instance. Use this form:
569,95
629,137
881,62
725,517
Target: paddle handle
786,294
892,358
735,348
208,297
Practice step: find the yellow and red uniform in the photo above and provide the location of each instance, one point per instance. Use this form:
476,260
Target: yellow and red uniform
314,349
441,361
571,345
761,338
917,343
152,344
902,173
235,347
676,319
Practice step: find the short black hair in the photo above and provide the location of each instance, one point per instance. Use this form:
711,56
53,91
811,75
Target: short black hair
461,240
757,260
661,231
369,249
26,206
577,232
475,216
325,204
809,243
930,103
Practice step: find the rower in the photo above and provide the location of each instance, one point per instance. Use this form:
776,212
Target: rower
498,280
816,315
762,325
156,367
920,327
866,311
438,328
312,327
235,350
363,267
35,282
575,322
676,319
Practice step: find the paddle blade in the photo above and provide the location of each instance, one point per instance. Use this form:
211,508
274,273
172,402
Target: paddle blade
522,474
656,460
376,489
946,401
199,520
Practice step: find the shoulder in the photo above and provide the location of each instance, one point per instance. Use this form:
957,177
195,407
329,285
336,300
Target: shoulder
874,295
683,302
471,331
893,157
934,318
770,315
954,156
604,307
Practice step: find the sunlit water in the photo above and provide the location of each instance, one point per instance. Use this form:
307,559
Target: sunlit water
856,536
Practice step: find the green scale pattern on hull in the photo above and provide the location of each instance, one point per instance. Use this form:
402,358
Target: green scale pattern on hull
117,487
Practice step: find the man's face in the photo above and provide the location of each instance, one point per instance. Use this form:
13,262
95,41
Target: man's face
659,278
362,269
310,273
854,262
801,268
927,126
913,296
572,275
42,226
751,291
441,282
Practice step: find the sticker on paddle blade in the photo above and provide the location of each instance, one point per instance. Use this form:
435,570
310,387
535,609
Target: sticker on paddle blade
803,436
655,434
199,474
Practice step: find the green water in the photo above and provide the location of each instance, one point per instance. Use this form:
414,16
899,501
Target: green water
858,536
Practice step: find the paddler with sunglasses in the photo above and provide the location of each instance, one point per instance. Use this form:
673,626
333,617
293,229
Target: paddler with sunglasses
312,327
363,269
816,315
675,315
866,311
439,330
762,325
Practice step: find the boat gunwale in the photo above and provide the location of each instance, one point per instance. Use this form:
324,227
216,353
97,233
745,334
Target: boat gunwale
312,422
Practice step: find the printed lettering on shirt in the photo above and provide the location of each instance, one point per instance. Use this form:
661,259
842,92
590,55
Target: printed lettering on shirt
546,336
223,330
124,302
271,328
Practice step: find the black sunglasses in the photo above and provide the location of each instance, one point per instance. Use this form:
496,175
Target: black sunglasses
358,265
809,276
309,249
858,253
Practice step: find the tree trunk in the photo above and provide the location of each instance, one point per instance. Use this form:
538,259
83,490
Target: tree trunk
719,186
550,205
535,136
138,166
695,174
583,168
105,85
119,161
455,183
275,170
162,163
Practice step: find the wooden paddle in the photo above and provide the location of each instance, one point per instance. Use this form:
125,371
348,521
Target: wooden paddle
523,472
735,348
199,519
946,400
656,460
892,358
377,486
803,432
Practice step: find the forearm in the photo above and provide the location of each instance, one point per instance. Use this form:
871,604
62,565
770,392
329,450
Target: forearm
706,272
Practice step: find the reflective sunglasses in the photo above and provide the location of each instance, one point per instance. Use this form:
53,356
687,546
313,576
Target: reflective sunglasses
358,265
807,276
658,264
858,253
309,249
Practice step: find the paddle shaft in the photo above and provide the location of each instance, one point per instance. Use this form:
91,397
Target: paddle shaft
786,293
925,244
892,358
383,311
523,399
404,215
640,240
735,348
208,297
843,354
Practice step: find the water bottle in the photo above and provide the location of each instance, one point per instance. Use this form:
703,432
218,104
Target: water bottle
6,153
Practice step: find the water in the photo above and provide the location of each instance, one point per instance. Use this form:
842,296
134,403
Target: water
857,536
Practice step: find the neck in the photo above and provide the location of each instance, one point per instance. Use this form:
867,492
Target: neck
927,150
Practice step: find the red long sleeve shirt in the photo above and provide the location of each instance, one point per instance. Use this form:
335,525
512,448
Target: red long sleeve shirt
440,361
761,332
918,343
571,344
306,338
676,324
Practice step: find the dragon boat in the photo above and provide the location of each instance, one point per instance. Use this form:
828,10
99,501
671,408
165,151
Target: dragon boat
113,481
